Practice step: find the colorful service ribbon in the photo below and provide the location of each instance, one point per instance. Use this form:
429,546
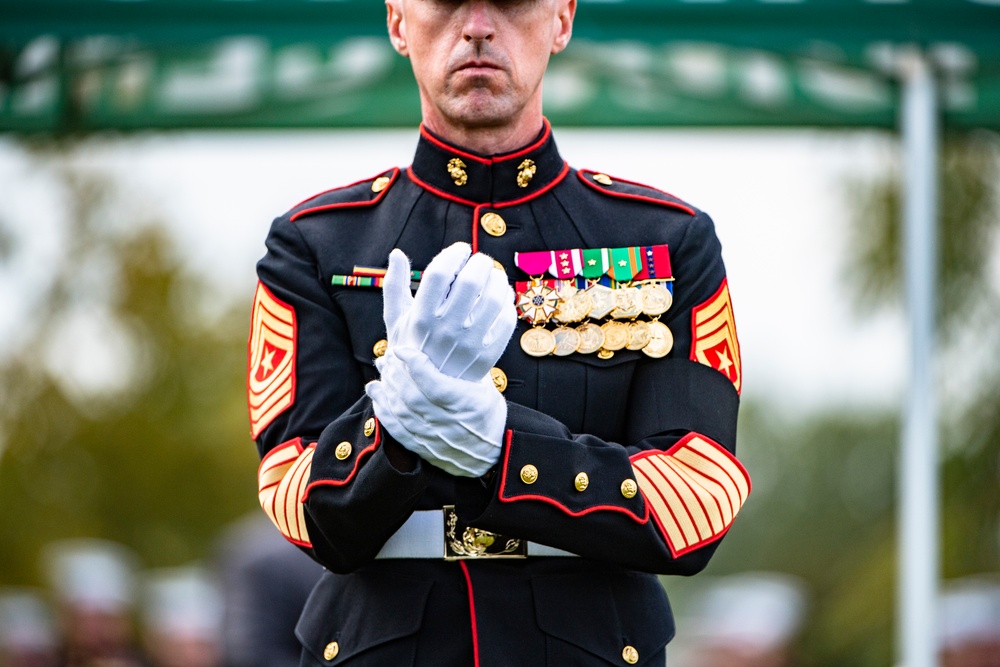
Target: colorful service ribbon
623,265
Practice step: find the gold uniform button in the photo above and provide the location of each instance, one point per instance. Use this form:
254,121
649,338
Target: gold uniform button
343,450
499,379
603,179
529,474
581,482
331,651
380,183
629,488
380,347
498,265
369,426
493,224
630,655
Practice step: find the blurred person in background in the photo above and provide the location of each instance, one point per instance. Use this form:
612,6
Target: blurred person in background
93,582
480,501
265,584
182,618
970,622
747,620
27,636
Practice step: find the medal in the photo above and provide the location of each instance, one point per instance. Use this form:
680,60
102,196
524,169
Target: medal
604,301
567,341
655,299
639,335
661,341
575,308
591,338
627,304
537,303
538,342
616,335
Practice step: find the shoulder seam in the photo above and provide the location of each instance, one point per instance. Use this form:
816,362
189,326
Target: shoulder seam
582,175
393,175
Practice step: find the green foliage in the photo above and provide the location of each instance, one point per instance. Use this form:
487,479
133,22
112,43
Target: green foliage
969,217
124,417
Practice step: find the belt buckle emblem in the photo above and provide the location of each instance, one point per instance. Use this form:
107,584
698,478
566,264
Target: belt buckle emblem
462,542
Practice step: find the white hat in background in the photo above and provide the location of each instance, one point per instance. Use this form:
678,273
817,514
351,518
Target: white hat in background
25,621
756,610
970,611
183,601
91,573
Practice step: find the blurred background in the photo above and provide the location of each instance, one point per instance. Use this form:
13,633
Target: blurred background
146,145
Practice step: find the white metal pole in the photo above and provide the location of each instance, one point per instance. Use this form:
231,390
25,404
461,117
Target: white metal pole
918,481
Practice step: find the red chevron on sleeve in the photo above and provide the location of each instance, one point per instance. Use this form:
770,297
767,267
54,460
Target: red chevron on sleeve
270,359
693,490
713,336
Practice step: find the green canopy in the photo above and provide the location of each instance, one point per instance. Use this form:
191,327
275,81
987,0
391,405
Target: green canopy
84,65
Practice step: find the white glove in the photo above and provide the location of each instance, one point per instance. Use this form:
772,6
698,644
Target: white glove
462,316
456,425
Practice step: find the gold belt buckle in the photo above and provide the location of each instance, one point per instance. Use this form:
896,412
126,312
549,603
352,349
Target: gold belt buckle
462,542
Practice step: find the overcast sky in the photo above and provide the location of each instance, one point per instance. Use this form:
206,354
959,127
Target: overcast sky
778,199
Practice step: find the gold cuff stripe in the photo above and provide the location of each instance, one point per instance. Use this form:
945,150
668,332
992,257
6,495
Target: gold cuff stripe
693,497
695,491
659,508
671,496
282,480
724,460
292,514
719,467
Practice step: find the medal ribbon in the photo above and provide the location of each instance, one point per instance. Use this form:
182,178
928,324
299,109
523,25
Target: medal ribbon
534,263
566,264
625,263
595,262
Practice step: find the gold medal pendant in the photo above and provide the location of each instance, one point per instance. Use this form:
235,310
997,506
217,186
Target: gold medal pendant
616,335
538,342
661,341
567,341
628,304
639,335
591,338
537,304
603,299
655,299
574,309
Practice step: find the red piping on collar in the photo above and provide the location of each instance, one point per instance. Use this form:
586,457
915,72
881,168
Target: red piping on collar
503,157
348,204
626,195
479,209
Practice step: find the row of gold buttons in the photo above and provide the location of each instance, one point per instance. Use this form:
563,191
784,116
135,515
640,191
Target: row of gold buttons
529,475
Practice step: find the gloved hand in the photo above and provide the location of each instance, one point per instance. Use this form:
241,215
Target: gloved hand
462,316
456,425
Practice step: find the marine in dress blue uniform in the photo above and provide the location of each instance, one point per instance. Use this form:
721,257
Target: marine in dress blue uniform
612,467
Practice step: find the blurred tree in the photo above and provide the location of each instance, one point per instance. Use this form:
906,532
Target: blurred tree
824,494
969,325
123,417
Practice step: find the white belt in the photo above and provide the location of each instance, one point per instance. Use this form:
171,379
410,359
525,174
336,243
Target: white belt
438,534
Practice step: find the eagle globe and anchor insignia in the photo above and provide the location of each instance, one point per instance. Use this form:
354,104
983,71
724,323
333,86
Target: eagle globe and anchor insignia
462,542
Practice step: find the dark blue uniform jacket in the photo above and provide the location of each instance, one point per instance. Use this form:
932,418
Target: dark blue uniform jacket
313,349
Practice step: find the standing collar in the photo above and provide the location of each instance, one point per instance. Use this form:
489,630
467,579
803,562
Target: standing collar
474,179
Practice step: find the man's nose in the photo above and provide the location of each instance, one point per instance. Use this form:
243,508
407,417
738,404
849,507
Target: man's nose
479,24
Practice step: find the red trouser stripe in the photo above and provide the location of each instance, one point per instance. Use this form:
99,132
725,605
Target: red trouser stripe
472,611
